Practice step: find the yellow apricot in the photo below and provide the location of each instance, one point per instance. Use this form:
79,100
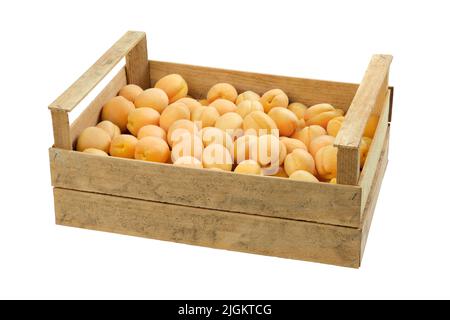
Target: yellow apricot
203,102
130,92
152,98
248,167
298,108
110,128
152,149
326,162
174,86
212,135
292,144
302,175
217,156
371,126
187,145
307,134
281,173
274,98
172,113
321,114
141,117
334,125
192,104
222,91
299,159
116,110
188,162
319,142
205,116
245,148
259,123
96,152
93,137
152,131
285,120
364,148
179,128
123,146
270,151
247,106
247,95
231,123
223,106
333,181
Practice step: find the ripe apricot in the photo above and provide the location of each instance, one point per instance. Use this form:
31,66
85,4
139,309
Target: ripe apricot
205,116
292,144
172,113
270,151
307,134
152,98
217,156
152,131
274,98
178,128
285,120
326,162
110,128
187,145
321,114
174,86
116,110
223,106
93,137
130,92
319,142
299,159
222,91
191,103
298,109
334,125
123,146
247,95
247,106
96,152
248,167
152,149
141,117
231,123
259,123
302,175
245,148
188,162
212,135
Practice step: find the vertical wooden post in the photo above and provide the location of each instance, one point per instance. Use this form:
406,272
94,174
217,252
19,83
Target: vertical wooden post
137,65
61,129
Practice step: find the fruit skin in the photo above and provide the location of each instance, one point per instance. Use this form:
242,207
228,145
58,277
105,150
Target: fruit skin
204,102
152,131
267,144
110,128
231,123
245,148
93,137
222,91
247,95
206,116
96,152
364,148
116,110
285,120
192,104
298,109
187,145
141,117
299,159
152,98
319,142
172,113
180,127
371,126
334,125
212,135
130,92
281,173
333,181
174,86
217,156
302,175
307,134
247,106
256,121
326,162
248,167
152,149
292,144
123,146
321,114
274,98
223,106
188,162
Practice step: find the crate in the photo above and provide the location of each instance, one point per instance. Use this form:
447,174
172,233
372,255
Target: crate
273,216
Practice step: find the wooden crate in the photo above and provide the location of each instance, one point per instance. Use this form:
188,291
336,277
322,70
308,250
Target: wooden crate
274,216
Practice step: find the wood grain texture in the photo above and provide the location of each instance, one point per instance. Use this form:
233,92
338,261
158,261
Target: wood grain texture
210,228
61,129
307,91
81,88
266,196
91,115
137,66
376,148
348,166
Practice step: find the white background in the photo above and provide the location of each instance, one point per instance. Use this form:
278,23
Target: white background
46,45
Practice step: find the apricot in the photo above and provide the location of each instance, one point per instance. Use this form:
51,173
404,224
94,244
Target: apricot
152,131
245,148
259,123
192,104
292,144
334,125
231,123
222,91
110,128
116,110
321,114
302,175
247,106
333,181
130,92
299,159
152,149
274,98
93,137
187,145
319,142
152,98
247,95
281,173
326,162
371,126
96,152
270,151
223,106
123,146
172,113
206,116
174,86
285,120
298,109
364,148
188,162
203,102
141,117
307,134
217,156
212,135
248,167
179,128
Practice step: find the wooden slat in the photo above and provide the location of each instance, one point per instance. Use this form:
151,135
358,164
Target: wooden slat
137,66
210,228
81,88
61,130
373,157
267,196
90,116
348,166
308,91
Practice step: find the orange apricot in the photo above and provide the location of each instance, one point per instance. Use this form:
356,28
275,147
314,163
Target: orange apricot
179,128
152,98
248,167
223,106
274,98
217,156
259,123
303,175
110,128
292,144
334,125
299,159
172,113
285,120
222,91
205,116
152,131
96,152
247,95
93,137
326,162
247,106
123,146
319,142
307,134
130,92
174,86
152,149
116,110
141,117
